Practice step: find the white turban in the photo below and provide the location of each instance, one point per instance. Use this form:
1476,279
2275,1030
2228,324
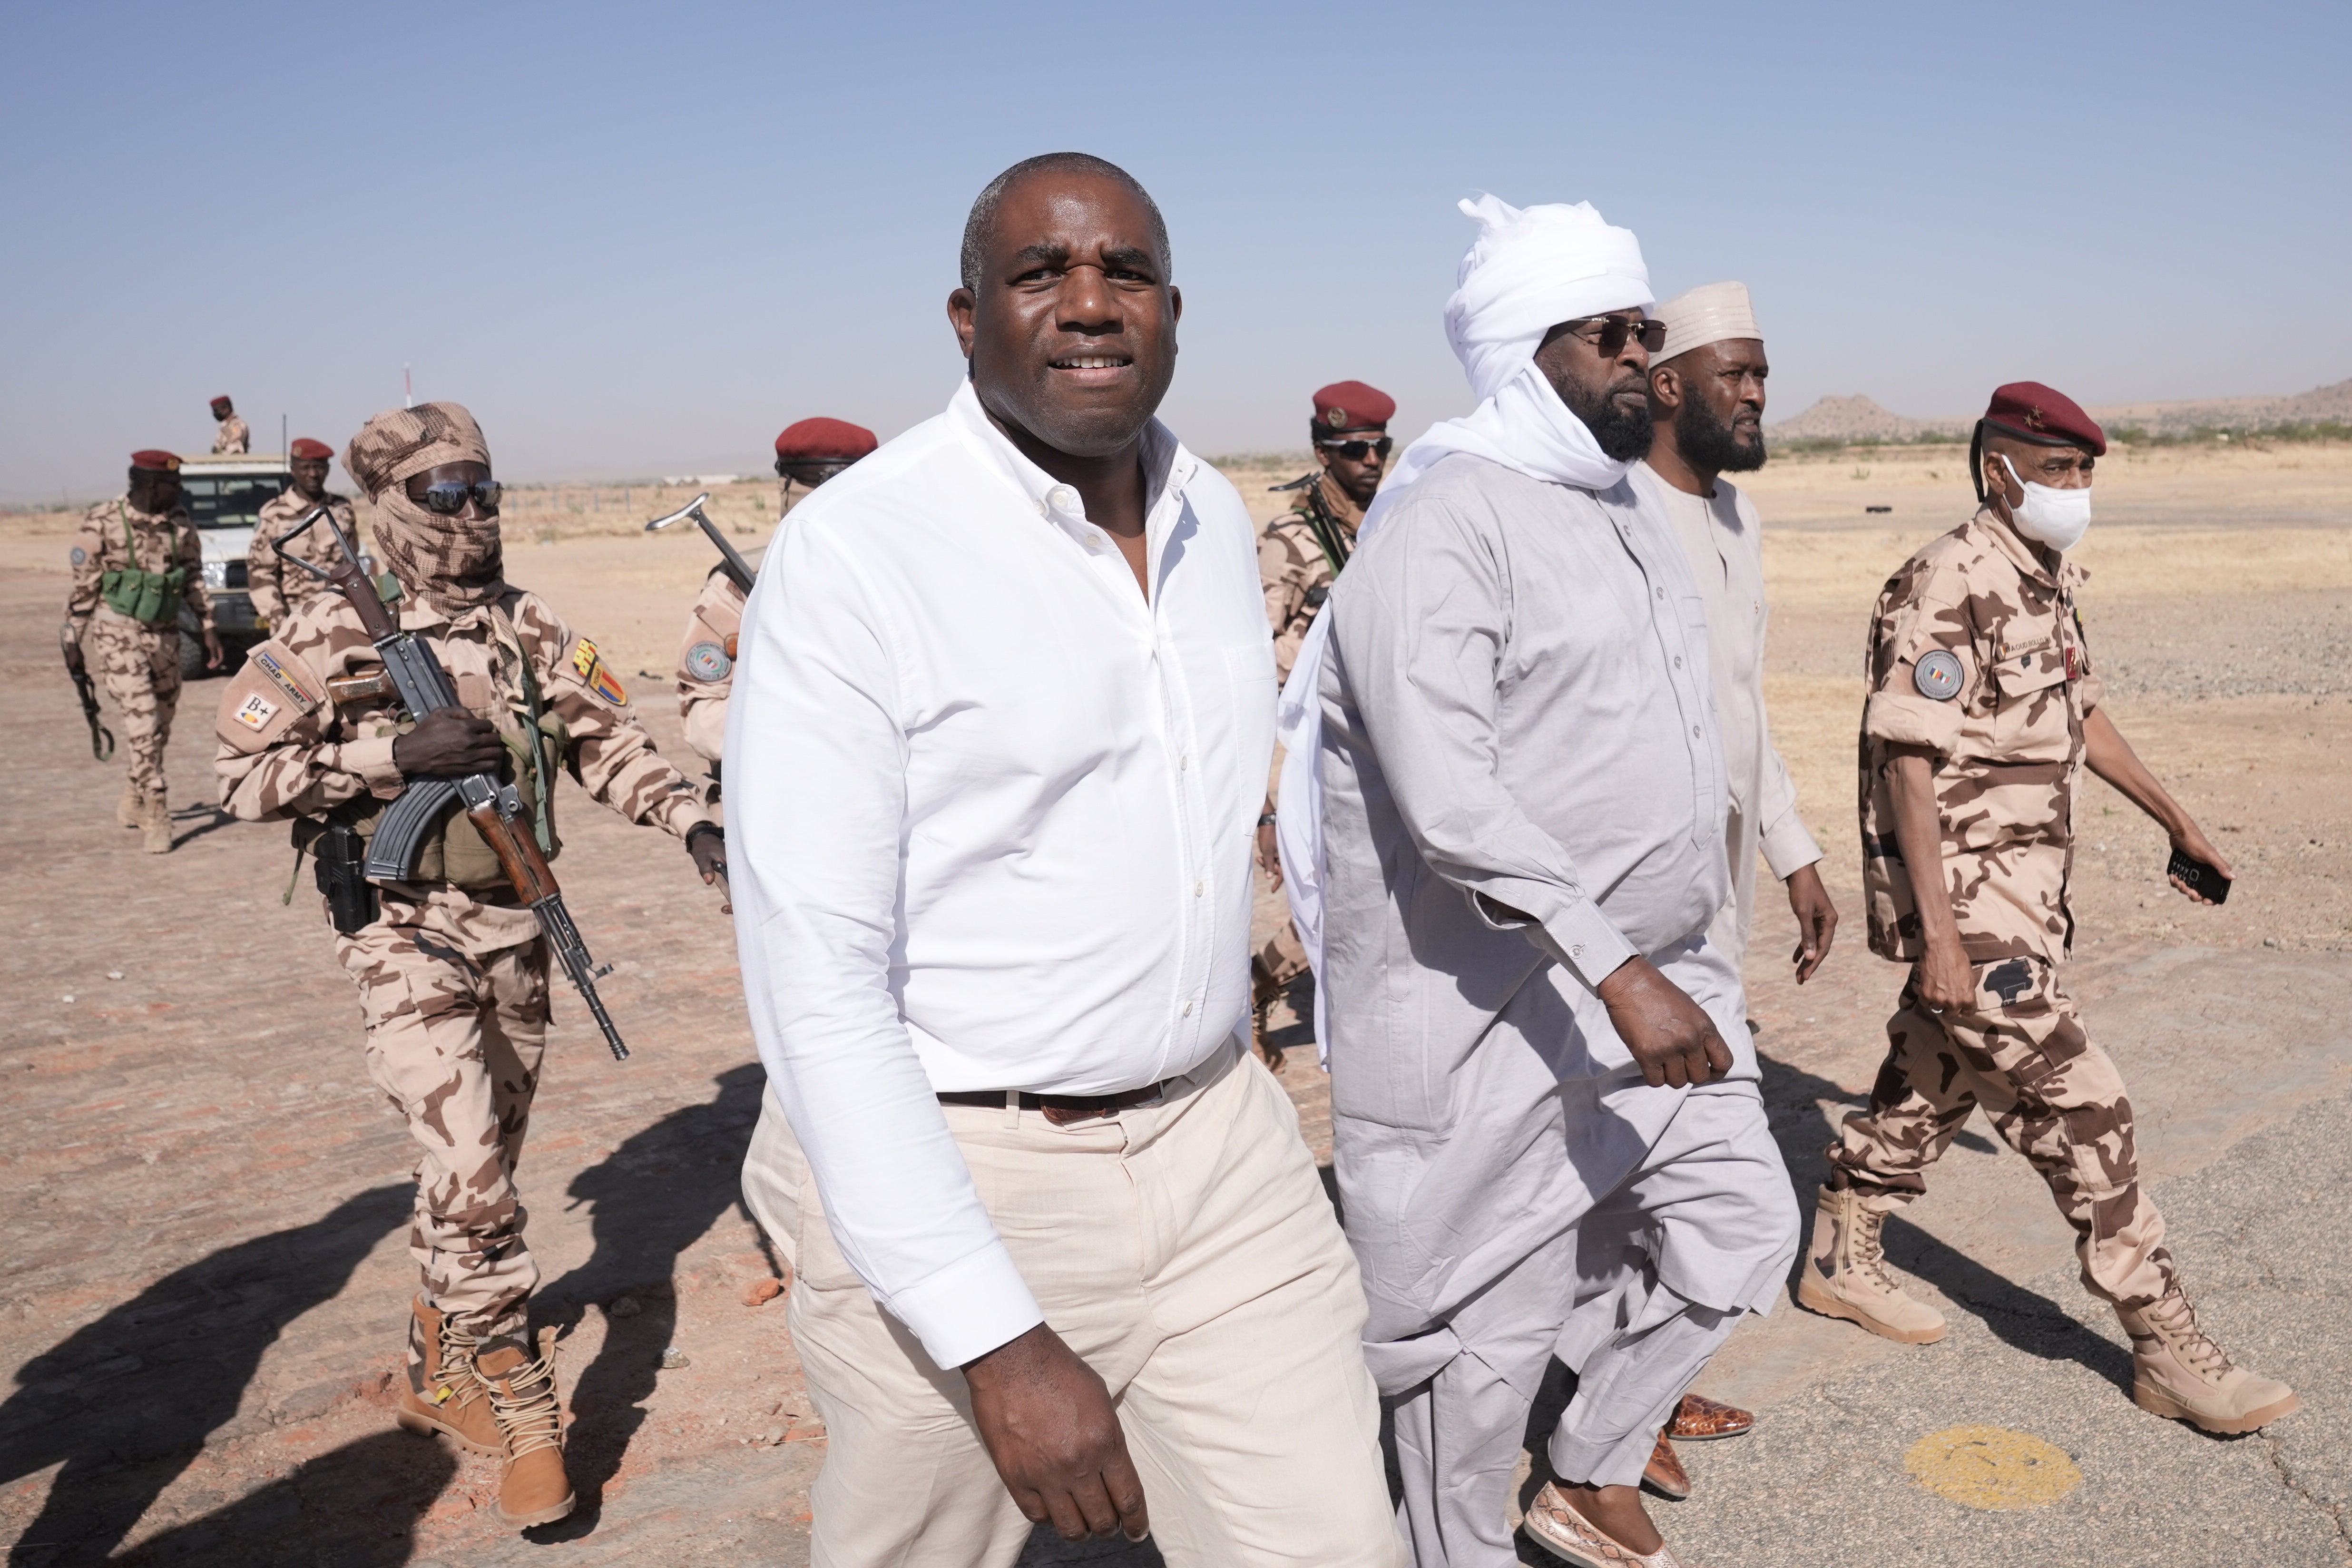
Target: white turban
1710,313
1529,269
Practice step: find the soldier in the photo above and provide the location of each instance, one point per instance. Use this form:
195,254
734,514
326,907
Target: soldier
1984,709
136,563
807,453
1299,553
232,436
451,968
279,589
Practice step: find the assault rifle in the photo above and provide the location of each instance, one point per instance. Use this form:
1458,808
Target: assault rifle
731,560
102,739
1319,519
495,809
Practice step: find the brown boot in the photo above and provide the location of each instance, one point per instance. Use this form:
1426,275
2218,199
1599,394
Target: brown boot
522,1398
155,825
2177,1371
444,1395
127,810
1846,1277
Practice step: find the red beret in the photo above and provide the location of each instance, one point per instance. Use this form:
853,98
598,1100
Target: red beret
824,441
2030,409
222,402
156,461
307,449
1352,406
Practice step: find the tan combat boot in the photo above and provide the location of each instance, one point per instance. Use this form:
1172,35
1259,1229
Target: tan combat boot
1846,1277
522,1399
128,810
2178,1372
155,825
444,1395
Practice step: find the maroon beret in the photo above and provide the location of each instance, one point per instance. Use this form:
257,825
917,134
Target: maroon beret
824,441
156,461
222,402
2030,409
1352,406
307,449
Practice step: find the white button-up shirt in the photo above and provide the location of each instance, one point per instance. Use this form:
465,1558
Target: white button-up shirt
991,816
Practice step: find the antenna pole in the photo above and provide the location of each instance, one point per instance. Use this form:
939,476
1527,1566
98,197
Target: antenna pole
407,389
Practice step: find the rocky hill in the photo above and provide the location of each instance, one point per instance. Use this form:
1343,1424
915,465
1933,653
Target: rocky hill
1858,419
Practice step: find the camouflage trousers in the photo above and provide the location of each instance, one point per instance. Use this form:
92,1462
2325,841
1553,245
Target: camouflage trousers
141,668
2019,1051
455,1039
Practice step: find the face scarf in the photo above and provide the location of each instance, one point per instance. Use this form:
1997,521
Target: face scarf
450,562
1529,269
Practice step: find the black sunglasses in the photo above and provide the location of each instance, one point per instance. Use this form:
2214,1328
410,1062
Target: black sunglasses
1615,329
1358,450
448,497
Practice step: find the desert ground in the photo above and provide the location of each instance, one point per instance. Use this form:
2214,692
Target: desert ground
203,1202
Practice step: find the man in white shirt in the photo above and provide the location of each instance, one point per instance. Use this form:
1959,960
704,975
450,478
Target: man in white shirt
999,737
1706,408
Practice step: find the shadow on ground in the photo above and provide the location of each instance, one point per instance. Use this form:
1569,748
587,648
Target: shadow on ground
127,1402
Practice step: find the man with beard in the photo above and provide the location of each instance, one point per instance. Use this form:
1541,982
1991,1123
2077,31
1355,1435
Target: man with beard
1004,717
451,966
232,439
808,453
279,587
1522,811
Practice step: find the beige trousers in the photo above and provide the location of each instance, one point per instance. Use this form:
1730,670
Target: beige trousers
1186,1250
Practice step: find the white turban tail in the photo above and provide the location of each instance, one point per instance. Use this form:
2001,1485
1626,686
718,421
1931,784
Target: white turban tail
1529,269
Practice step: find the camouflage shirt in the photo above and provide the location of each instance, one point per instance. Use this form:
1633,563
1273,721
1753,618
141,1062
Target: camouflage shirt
232,436
280,589
287,750
705,662
1976,653
156,543
1295,569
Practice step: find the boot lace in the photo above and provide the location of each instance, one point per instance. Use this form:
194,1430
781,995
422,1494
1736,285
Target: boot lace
2175,1319
1868,1250
459,1385
524,1403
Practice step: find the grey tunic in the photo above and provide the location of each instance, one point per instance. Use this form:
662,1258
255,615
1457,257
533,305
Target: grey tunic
1518,722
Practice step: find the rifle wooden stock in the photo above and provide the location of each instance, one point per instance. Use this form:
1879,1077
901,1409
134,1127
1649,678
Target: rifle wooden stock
526,869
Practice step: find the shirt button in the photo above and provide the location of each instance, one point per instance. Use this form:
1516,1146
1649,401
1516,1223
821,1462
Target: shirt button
1063,498
1694,731
1576,952
1662,593
1188,1009
1184,761
1678,661
1196,888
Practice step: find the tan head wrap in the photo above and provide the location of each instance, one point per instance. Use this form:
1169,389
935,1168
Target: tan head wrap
451,562
1710,313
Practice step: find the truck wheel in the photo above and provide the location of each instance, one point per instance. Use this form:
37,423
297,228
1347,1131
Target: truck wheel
192,646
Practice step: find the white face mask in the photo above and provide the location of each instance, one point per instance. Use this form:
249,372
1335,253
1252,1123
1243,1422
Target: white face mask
2048,515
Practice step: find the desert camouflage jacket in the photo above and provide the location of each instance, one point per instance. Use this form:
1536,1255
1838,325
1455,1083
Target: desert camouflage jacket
233,437
1976,653
705,662
1295,568
288,750
279,589
157,543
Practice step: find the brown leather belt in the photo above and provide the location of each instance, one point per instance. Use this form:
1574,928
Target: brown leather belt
1061,1110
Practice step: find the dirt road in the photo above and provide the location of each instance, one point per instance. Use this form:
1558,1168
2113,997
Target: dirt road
202,1202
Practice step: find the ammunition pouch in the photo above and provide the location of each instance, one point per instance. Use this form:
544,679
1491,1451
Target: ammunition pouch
150,597
340,852
453,849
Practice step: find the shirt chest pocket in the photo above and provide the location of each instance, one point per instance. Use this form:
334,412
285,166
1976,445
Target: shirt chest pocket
2032,718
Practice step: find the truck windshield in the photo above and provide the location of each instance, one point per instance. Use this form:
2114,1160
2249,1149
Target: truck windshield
229,500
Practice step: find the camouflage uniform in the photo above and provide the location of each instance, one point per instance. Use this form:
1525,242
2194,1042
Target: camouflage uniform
452,975
1297,573
280,589
705,662
1976,653
233,437
139,662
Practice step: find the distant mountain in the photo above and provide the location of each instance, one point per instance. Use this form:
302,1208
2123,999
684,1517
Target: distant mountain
1858,419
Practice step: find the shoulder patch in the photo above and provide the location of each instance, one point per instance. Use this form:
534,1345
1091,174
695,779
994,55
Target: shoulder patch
707,661
78,555
1937,674
595,675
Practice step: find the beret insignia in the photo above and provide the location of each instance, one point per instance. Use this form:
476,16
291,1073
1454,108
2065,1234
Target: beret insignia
1334,417
1937,674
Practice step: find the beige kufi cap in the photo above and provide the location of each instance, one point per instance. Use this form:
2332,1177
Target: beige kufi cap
1707,314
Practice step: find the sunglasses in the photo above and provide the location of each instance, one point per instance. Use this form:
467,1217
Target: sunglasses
1357,451
449,498
1615,329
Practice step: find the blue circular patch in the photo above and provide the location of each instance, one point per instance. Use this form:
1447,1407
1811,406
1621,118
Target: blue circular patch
1937,674
78,555
707,661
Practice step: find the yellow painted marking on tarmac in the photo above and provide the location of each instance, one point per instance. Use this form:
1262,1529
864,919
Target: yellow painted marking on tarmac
1992,1468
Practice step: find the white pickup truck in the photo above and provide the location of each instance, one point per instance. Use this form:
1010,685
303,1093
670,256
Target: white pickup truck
225,496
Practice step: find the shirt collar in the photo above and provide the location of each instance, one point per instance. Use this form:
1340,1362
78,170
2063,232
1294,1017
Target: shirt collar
2026,558
1167,468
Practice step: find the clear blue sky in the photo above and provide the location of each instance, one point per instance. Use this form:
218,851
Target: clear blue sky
644,238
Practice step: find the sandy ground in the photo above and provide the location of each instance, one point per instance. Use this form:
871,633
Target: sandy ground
202,1201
